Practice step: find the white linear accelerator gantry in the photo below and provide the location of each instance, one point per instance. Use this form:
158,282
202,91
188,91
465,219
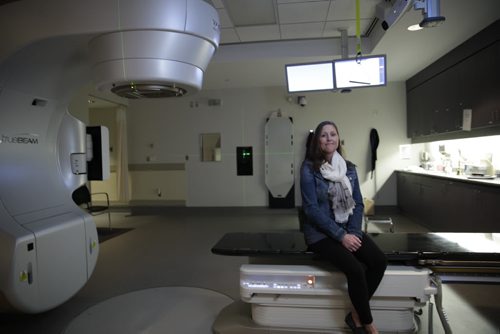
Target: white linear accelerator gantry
50,49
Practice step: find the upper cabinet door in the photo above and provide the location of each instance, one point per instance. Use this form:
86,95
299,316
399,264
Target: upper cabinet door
480,86
433,107
444,96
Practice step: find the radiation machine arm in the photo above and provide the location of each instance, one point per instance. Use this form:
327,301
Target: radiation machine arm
49,50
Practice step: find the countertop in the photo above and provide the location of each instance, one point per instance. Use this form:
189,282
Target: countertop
463,178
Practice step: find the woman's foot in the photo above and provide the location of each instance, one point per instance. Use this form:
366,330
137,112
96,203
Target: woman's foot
371,329
352,320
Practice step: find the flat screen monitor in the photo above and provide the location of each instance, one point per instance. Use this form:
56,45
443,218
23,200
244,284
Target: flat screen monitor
360,72
309,77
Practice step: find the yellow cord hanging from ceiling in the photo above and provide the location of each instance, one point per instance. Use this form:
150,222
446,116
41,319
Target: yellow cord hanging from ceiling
358,31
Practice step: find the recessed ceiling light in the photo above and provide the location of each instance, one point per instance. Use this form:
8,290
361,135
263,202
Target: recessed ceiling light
415,27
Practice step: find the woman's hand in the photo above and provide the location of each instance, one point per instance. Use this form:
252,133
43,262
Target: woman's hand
351,242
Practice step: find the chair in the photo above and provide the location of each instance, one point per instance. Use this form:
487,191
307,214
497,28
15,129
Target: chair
379,220
82,195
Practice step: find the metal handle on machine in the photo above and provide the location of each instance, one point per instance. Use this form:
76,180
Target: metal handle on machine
467,270
438,297
433,262
430,327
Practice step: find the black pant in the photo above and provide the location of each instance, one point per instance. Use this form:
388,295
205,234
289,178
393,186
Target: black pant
364,269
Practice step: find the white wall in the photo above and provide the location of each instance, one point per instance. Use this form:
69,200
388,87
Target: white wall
79,106
167,130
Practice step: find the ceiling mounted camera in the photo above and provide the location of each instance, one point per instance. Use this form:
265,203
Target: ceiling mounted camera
302,101
391,14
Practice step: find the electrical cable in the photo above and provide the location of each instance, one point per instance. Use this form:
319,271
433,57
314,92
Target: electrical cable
358,32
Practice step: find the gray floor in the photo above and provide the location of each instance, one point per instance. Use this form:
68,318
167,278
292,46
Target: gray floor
171,247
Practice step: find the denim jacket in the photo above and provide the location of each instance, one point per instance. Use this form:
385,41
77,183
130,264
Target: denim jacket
320,222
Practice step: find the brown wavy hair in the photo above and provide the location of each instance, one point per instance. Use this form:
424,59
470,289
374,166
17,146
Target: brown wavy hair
314,152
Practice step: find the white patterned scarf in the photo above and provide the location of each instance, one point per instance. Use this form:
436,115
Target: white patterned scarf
339,189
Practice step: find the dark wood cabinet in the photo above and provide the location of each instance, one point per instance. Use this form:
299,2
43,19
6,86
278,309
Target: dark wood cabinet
480,86
458,205
446,205
465,78
408,193
417,197
413,118
445,107
487,204
421,104
434,107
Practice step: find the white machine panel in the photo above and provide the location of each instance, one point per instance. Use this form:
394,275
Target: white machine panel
393,321
302,296
78,163
17,260
62,268
71,151
399,281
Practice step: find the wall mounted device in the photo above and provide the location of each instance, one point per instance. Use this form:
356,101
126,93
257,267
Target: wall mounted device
244,160
148,48
279,160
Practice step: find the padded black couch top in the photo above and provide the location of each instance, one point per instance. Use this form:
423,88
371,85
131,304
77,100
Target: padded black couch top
398,247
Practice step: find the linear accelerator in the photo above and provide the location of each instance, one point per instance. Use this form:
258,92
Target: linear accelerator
49,50
286,289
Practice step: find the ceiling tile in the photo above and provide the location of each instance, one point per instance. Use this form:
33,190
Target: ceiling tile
250,13
303,12
346,9
298,19
228,35
259,33
302,30
225,21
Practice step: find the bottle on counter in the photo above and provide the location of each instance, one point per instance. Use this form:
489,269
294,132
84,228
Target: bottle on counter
490,170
